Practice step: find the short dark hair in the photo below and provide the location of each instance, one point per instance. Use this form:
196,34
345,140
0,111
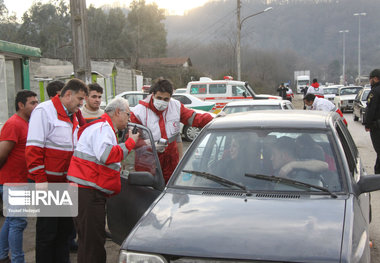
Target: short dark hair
96,87
309,97
315,80
22,96
286,144
162,85
53,87
374,73
75,85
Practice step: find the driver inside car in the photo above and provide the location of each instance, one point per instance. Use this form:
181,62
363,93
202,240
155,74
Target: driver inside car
286,164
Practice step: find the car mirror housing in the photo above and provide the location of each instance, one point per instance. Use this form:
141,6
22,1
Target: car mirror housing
141,178
369,183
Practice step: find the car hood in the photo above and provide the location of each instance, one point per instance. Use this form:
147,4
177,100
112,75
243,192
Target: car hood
348,97
283,227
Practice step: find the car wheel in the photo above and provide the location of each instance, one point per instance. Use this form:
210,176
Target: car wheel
356,118
190,133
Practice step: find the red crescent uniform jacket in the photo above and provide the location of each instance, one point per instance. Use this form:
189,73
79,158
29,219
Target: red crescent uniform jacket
166,124
96,159
52,136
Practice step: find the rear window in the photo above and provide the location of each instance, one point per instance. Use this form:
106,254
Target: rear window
198,89
217,88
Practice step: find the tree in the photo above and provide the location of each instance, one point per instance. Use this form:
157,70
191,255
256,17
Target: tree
146,30
47,26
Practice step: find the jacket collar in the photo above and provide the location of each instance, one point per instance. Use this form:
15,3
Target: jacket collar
105,117
61,113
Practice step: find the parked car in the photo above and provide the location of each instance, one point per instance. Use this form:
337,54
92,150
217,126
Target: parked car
188,132
330,92
230,205
360,104
133,97
345,98
193,102
223,91
252,105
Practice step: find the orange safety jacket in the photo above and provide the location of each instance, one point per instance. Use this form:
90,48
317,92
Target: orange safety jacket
96,159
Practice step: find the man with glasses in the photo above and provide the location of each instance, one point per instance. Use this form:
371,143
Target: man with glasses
372,114
95,167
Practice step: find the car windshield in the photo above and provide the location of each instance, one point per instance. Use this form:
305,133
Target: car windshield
247,157
330,91
133,99
365,95
245,108
350,91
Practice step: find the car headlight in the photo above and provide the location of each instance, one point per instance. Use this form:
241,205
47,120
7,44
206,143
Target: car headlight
127,257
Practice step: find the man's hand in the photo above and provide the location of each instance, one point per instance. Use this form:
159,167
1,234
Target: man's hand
134,137
367,129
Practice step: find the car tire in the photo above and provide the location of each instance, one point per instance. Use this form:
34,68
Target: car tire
190,133
356,118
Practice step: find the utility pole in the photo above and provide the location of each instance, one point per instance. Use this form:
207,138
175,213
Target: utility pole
359,67
344,55
239,24
238,60
81,59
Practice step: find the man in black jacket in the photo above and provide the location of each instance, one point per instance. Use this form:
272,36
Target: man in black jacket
282,91
372,114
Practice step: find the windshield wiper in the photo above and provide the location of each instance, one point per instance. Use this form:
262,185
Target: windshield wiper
291,182
219,180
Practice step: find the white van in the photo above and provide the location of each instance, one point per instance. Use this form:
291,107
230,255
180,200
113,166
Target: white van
223,91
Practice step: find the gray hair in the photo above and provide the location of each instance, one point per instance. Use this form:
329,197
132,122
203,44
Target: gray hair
116,103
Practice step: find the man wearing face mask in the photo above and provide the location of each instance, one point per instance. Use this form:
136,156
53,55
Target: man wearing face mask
162,116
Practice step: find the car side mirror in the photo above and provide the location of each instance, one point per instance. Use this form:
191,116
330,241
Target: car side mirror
141,178
369,183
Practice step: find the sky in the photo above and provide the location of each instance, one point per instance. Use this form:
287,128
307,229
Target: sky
174,7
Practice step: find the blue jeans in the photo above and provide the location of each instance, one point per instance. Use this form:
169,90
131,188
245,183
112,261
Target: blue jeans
11,237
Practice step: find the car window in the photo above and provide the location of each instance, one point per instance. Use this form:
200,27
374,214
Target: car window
349,91
239,91
365,95
233,154
198,89
134,99
245,108
217,88
183,99
330,91
349,147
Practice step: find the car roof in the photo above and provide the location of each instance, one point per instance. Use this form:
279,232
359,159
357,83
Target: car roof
271,119
131,92
351,87
255,102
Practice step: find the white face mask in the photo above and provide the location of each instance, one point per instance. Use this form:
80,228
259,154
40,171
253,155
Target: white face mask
160,104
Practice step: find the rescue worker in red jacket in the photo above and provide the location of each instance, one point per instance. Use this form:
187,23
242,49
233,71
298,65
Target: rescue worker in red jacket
162,115
52,137
95,167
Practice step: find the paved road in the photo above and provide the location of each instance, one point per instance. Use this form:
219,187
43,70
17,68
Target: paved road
363,143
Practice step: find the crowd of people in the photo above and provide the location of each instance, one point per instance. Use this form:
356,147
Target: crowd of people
62,141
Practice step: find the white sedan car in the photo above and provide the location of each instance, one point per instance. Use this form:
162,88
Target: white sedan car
346,96
193,102
253,105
